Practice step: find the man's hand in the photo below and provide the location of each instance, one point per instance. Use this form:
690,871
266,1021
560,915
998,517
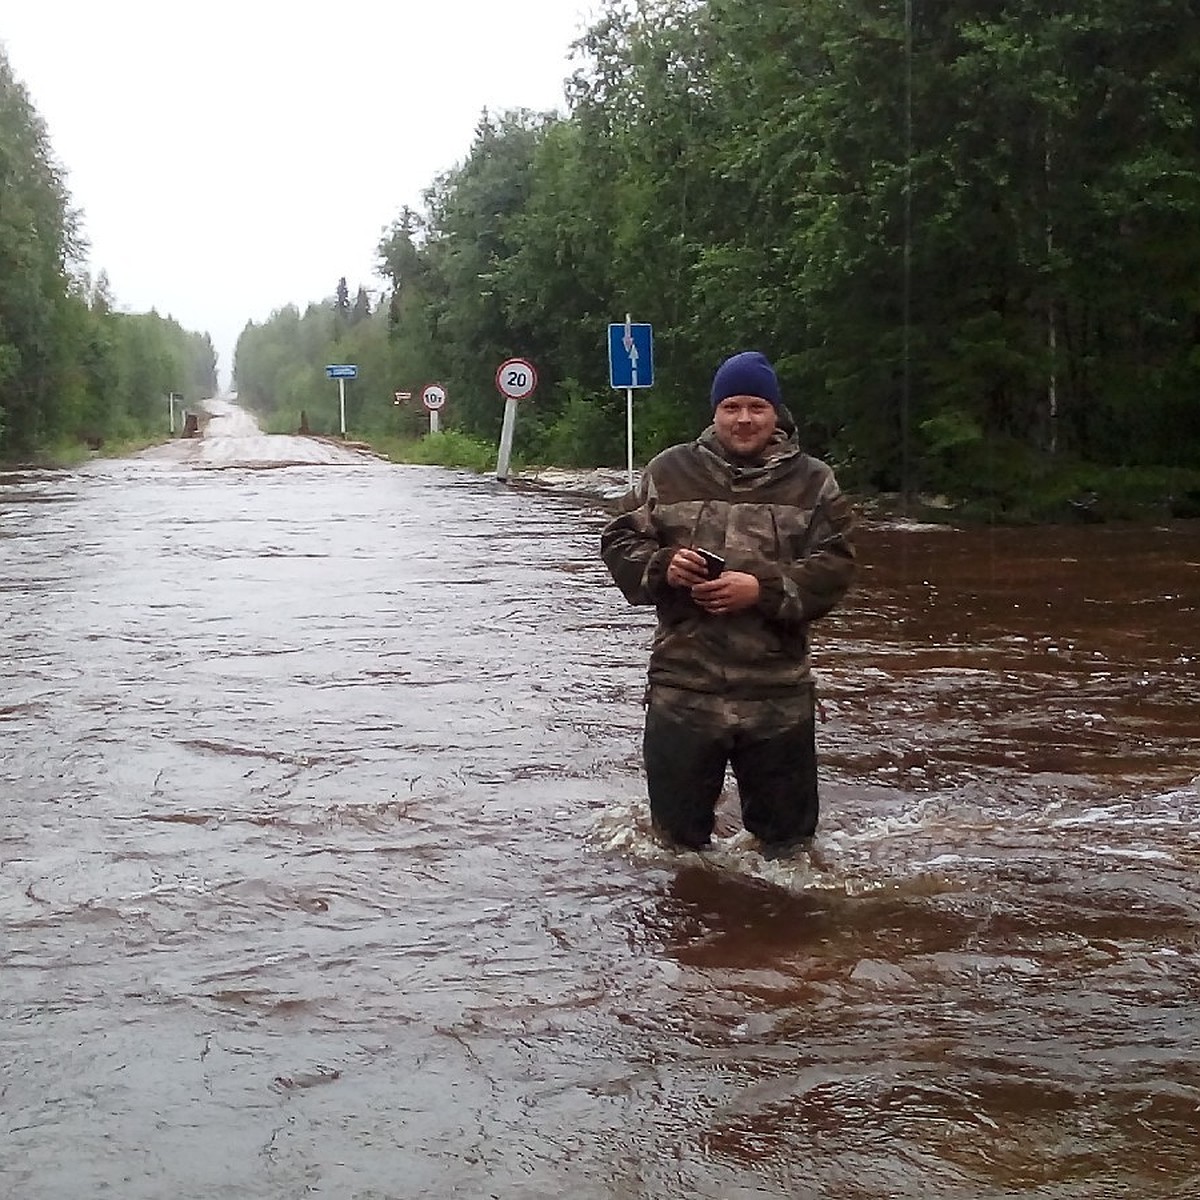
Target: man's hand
686,569
730,592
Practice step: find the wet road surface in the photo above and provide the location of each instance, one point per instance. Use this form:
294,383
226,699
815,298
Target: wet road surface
324,867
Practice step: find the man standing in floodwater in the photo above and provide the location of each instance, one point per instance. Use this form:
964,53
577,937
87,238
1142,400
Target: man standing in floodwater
740,540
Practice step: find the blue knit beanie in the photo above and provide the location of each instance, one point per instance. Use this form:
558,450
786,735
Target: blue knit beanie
746,374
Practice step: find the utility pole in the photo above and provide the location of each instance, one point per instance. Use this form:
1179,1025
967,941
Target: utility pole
906,369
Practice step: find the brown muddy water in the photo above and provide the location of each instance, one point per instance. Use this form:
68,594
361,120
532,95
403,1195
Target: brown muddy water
324,867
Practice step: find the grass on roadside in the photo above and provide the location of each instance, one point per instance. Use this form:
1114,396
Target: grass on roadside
448,449
70,452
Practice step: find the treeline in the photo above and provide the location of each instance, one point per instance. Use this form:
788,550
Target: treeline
968,234
72,369
280,368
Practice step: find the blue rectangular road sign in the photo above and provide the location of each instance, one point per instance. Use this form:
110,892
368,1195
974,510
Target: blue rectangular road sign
344,371
630,356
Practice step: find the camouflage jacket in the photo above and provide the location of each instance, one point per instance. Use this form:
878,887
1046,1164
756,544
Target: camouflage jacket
785,521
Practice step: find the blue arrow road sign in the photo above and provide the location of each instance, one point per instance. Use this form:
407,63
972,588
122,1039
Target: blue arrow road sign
341,372
630,356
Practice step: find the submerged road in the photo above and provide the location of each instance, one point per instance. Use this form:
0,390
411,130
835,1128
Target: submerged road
325,868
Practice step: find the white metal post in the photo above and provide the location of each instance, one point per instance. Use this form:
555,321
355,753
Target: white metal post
629,432
171,409
506,438
434,423
342,402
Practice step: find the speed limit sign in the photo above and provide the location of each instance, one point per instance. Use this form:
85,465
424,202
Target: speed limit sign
434,397
516,378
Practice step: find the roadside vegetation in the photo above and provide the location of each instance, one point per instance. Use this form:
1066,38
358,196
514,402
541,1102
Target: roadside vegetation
971,245
967,234
75,373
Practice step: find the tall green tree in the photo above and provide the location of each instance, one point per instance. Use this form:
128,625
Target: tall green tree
37,244
342,312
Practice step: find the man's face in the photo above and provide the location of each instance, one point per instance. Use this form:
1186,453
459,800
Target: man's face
745,425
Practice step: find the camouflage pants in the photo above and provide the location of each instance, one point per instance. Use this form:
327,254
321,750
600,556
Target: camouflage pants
691,737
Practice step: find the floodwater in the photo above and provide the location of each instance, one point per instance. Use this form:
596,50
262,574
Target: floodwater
324,863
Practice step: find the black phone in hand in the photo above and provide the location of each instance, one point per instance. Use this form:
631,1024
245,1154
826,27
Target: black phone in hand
714,563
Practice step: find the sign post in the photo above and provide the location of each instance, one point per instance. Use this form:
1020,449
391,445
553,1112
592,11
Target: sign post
171,398
516,379
630,365
434,399
341,372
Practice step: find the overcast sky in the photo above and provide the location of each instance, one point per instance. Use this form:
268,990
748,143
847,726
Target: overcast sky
234,156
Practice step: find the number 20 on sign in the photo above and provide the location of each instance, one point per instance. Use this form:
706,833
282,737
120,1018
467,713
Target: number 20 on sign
516,379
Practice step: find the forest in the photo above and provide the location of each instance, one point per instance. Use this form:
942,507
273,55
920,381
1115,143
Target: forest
967,234
74,371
